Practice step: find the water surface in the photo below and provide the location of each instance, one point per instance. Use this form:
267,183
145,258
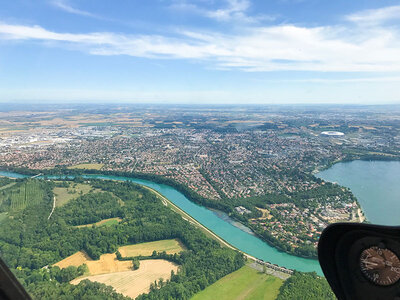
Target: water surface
376,184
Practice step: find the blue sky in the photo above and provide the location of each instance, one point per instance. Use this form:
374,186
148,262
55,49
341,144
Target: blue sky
204,51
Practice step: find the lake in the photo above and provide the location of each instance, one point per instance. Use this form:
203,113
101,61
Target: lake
376,184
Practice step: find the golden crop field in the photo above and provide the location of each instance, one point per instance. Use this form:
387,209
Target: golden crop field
145,249
77,259
108,263
135,282
87,166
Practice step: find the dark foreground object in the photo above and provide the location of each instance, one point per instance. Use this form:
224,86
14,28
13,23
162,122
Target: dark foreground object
10,288
361,261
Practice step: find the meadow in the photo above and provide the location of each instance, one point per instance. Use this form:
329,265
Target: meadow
105,222
72,191
245,283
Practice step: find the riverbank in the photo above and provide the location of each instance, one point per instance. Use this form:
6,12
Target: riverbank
277,271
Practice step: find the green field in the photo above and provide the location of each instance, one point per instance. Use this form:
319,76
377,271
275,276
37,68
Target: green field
105,222
245,283
65,194
20,195
146,249
87,166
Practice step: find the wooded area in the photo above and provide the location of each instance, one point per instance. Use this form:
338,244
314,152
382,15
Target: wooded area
29,242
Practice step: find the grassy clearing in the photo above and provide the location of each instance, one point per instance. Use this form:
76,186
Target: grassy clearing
74,190
133,283
87,166
146,249
105,222
245,283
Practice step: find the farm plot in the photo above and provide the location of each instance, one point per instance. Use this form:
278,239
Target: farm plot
134,283
77,259
87,166
146,249
20,195
107,263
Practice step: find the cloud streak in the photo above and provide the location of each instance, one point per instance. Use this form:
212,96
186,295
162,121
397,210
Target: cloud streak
234,11
376,16
63,5
350,48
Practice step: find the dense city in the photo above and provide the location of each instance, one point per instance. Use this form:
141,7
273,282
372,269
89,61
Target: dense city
261,161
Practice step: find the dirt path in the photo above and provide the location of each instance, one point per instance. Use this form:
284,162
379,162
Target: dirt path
54,206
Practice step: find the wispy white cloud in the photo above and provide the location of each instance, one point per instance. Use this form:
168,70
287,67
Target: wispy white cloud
65,6
341,48
375,16
233,10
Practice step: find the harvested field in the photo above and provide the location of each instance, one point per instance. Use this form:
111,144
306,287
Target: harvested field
105,222
134,283
87,166
77,259
146,249
107,263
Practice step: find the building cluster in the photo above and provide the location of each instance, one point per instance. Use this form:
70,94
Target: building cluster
297,227
217,158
